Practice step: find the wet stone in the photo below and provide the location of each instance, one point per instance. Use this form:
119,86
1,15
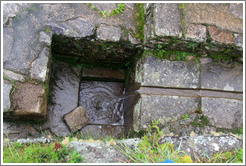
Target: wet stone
221,36
6,93
103,101
76,119
164,73
222,77
103,73
64,97
167,108
196,33
29,101
109,33
223,113
167,20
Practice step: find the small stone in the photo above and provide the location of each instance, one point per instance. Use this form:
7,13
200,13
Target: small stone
39,66
109,33
220,36
196,33
13,76
45,39
237,9
6,92
77,119
29,101
190,58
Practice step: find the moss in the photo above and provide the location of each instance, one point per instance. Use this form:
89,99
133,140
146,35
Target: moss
181,7
140,21
234,131
200,122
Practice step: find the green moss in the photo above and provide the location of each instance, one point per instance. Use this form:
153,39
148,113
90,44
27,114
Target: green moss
200,122
181,7
140,21
115,12
234,131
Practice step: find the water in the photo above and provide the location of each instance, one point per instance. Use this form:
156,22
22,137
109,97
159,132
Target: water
103,101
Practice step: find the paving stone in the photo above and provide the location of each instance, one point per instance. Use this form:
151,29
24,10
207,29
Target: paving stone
45,39
223,113
13,76
165,108
164,73
237,9
64,98
39,66
167,20
77,119
29,101
6,93
197,33
109,33
219,15
222,77
221,36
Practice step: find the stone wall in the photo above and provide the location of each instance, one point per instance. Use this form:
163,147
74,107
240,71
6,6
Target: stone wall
208,82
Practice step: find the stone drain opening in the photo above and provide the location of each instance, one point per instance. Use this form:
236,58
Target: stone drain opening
94,80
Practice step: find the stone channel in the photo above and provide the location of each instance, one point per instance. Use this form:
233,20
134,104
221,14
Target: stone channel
70,69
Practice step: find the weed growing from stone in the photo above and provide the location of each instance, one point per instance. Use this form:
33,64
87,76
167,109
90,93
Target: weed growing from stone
115,12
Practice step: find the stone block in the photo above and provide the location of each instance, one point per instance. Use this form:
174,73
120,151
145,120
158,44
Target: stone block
239,40
218,15
220,77
29,101
151,71
45,39
197,33
167,20
6,96
166,108
13,76
39,66
109,33
223,113
77,119
220,36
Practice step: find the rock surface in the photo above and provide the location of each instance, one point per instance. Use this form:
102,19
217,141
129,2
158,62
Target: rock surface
222,77
39,66
6,93
165,108
29,101
167,20
13,76
197,33
221,36
77,119
109,33
223,113
151,71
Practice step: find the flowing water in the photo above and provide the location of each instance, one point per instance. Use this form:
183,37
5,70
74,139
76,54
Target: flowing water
103,101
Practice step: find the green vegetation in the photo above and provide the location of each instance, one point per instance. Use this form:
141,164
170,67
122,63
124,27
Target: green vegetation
140,21
40,153
234,131
181,7
202,121
186,116
115,12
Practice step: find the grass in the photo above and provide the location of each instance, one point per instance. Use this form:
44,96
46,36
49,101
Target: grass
115,12
40,153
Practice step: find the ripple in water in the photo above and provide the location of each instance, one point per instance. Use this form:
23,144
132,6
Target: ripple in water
103,101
